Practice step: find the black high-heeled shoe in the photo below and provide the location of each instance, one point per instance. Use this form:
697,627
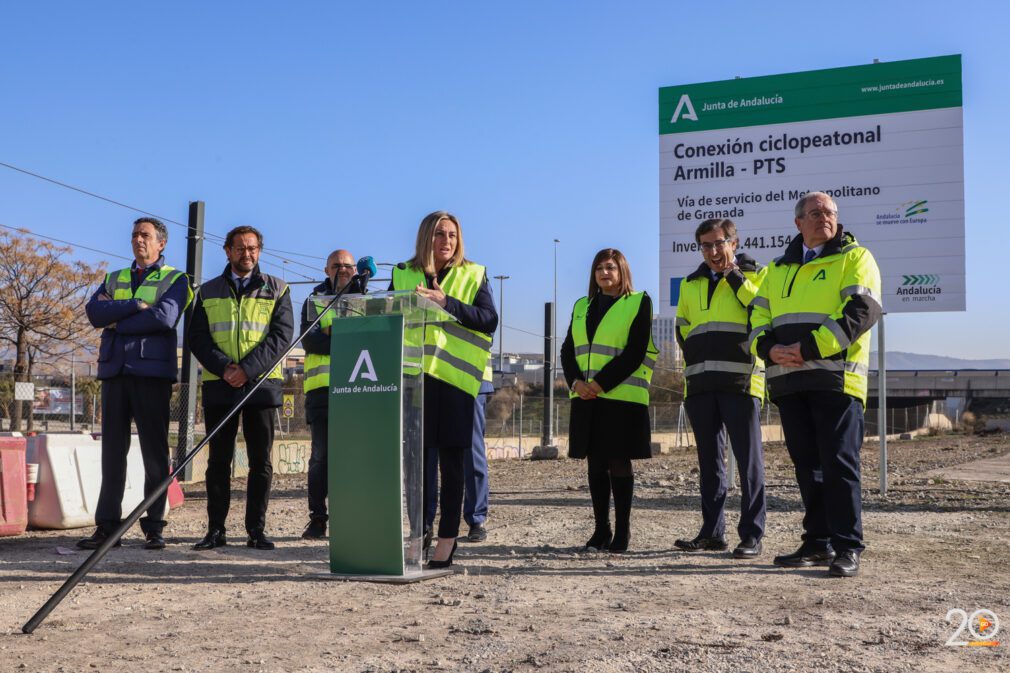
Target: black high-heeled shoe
600,541
434,565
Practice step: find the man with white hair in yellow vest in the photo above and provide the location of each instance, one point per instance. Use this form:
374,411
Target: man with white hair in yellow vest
242,323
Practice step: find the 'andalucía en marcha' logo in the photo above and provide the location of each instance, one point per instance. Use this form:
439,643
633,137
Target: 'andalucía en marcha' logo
919,287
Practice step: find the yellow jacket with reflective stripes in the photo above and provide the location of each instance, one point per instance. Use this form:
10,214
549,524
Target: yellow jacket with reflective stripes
712,330
156,283
609,341
828,306
449,352
239,324
317,367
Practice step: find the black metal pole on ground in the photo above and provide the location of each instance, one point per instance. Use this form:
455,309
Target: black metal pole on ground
186,412
135,515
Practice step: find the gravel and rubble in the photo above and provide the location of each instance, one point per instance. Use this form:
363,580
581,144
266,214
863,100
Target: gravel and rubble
530,599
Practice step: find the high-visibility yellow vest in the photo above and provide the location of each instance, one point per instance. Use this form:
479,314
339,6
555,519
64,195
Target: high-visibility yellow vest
796,300
239,324
449,352
610,340
715,335
155,284
317,367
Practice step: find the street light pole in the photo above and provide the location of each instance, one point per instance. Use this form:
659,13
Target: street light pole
501,321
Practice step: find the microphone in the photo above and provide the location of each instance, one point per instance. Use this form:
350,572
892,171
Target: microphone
399,265
366,268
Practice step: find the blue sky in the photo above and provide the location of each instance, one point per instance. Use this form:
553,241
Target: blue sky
336,125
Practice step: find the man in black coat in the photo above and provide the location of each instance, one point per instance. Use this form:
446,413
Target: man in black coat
242,323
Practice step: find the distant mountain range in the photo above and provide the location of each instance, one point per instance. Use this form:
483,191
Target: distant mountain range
897,360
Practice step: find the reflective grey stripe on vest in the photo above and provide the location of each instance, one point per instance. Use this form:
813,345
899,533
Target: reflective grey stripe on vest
799,319
596,349
721,366
245,326
859,289
682,322
715,326
463,334
820,365
315,371
758,331
836,329
458,363
167,281
760,301
582,350
636,382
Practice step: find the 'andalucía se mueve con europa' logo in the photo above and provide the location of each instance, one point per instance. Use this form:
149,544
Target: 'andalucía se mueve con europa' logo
909,212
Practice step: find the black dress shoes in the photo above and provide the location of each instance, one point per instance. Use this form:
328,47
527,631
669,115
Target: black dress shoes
748,548
154,541
96,540
258,540
478,533
702,544
846,564
804,558
315,530
214,538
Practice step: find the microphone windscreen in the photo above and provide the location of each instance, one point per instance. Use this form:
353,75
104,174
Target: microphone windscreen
366,267
401,266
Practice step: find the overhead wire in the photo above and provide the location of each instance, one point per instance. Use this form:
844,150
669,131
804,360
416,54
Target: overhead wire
207,235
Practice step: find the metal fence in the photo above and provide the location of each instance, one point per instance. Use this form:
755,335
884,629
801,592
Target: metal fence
515,421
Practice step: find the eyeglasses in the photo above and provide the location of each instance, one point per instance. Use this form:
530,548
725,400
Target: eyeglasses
607,267
827,213
245,250
709,247
341,266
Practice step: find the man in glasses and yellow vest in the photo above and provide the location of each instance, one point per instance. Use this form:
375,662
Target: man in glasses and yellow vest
242,323
138,307
724,385
339,270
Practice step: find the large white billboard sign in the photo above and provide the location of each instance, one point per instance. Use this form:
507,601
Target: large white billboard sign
885,140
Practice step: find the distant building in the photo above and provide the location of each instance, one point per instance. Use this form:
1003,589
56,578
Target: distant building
665,336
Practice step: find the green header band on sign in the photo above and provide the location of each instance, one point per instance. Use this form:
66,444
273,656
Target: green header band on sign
878,88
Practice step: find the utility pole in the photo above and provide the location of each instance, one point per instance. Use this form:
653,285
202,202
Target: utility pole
186,413
73,389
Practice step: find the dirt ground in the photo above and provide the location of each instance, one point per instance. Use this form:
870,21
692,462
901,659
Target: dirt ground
530,598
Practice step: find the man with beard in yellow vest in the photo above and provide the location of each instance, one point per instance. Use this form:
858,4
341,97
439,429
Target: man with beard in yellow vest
316,342
138,308
242,323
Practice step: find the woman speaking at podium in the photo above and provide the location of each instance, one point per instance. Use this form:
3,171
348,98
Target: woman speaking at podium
608,357
456,355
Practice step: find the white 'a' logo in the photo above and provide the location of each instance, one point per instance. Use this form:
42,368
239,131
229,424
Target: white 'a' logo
369,370
688,109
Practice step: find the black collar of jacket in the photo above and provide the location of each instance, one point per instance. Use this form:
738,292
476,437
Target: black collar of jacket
794,252
743,261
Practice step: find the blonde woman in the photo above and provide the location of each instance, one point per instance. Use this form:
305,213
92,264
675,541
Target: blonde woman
456,355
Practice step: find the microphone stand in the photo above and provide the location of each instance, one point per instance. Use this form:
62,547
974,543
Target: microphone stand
135,515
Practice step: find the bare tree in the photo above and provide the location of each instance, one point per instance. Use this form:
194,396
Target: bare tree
42,298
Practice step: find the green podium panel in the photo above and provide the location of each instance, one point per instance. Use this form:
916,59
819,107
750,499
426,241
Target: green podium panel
365,481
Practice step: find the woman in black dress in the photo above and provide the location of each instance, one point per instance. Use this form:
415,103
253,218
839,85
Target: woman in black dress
608,356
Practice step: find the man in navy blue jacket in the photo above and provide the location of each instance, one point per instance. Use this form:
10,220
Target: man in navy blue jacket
138,309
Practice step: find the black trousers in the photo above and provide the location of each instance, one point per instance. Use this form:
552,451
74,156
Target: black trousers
258,429
824,433
714,416
450,502
319,425
144,400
